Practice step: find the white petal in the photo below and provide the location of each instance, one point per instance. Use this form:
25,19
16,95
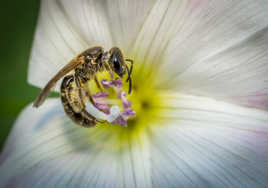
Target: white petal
211,48
238,74
46,150
66,28
199,142
158,29
55,44
126,18
210,144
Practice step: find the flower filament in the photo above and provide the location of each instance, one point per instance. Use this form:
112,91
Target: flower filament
102,100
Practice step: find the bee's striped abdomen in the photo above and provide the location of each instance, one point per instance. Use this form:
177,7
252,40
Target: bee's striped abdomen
72,104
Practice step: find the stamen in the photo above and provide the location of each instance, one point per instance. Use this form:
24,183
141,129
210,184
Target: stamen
122,95
129,113
100,95
108,84
104,107
102,102
118,83
120,120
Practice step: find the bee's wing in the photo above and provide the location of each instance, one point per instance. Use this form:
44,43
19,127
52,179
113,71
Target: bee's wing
94,52
46,90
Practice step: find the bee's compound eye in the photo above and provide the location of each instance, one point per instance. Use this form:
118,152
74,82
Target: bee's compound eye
116,64
117,61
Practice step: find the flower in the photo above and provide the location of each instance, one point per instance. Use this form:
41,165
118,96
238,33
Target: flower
200,95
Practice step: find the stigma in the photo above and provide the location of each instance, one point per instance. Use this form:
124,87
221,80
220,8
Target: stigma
113,102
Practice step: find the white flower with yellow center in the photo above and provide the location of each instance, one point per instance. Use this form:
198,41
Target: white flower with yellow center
200,93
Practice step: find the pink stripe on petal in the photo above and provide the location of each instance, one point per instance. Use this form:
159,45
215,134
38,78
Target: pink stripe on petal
259,103
196,4
257,100
258,138
4,156
13,182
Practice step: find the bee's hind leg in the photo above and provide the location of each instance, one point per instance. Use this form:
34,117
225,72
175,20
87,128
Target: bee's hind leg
89,96
81,96
98,83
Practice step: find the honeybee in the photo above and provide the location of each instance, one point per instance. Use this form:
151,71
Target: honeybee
78,72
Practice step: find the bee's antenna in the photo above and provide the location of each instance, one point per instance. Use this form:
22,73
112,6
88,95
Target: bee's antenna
131,68
129,80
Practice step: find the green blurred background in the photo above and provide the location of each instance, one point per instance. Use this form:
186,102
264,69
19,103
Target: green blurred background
18,21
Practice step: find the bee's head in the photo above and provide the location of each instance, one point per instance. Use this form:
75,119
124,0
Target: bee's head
119,66
117,62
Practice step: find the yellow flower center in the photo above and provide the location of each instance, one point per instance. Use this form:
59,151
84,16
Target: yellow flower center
146,101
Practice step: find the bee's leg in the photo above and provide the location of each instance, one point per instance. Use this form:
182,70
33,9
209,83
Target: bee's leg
78,84
80,118
110,70
91,117
111,74
88,94
98,83
77,81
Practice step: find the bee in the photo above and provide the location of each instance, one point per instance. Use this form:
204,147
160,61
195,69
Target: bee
77,73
